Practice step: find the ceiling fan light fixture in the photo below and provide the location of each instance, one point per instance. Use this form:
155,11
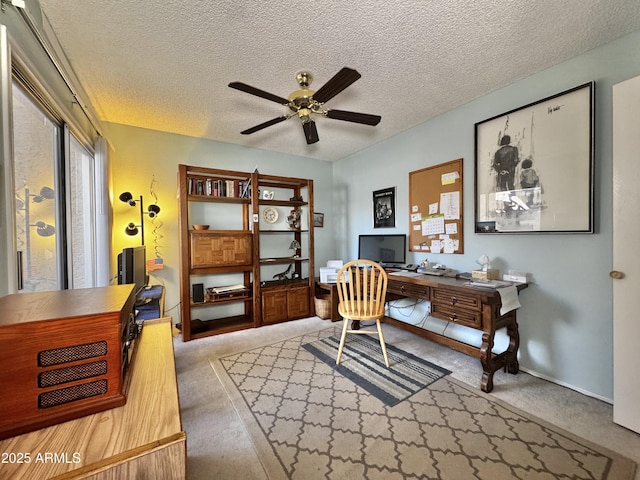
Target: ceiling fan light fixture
305,115
306,102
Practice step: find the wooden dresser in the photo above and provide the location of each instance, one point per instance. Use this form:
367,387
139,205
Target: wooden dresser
142,439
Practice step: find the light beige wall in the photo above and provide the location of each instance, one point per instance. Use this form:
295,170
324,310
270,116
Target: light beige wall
139,156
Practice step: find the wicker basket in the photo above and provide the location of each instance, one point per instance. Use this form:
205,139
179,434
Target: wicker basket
323,307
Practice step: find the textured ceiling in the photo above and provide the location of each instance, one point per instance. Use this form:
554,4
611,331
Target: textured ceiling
165,64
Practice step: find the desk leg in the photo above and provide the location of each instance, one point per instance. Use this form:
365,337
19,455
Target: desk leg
507,359
488,367
512,364
335,316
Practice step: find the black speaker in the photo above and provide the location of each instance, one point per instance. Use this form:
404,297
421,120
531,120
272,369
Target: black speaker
198,292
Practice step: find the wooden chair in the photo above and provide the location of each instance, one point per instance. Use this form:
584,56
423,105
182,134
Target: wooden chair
362,291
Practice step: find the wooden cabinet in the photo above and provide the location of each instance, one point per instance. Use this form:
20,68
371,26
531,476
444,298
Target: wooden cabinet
212,249
285,302
63,354
252,240
142,439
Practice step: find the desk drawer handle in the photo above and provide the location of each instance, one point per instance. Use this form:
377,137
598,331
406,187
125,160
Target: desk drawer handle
402,288
454,300
453,317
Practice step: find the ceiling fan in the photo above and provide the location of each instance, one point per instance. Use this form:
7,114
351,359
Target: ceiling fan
306,102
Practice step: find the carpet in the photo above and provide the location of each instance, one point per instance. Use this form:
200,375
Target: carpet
308,421
363,364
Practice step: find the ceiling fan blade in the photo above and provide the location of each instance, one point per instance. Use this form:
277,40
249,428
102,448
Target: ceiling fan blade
310,132
336,84
355,117
243,87
273,121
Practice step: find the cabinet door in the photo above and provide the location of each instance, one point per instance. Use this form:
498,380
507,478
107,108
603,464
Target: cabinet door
298,302
213,249
274,306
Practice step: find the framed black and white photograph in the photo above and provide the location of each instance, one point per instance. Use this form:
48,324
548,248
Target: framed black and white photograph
384,203
318,219
534,166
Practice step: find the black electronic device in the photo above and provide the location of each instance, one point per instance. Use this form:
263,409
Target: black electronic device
198,292
390,249
132,267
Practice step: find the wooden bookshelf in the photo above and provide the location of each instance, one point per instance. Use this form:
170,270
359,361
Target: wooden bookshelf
222,252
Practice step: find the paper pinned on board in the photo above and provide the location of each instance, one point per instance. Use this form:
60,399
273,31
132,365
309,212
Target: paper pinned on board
433,225
449,178
450,205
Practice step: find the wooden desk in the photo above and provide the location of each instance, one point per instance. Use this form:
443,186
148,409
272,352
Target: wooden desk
474,307
142,439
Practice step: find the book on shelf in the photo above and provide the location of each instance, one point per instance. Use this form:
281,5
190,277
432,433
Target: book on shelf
219,187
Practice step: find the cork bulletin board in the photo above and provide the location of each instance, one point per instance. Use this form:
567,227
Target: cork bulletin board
435,209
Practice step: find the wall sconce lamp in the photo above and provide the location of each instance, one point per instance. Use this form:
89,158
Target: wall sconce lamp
152,210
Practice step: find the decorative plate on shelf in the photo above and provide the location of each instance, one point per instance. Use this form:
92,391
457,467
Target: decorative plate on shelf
270,215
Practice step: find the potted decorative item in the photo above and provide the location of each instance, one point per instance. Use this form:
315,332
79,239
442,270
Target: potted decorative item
294,219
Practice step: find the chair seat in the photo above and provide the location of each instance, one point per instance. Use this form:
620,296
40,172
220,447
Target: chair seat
361,313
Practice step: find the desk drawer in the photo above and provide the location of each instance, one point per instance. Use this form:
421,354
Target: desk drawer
408,289
468,318
455,299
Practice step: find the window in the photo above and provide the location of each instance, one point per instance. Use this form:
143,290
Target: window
55,205
53,168
82,212
36,153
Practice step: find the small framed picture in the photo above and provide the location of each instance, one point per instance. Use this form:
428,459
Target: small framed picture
318,219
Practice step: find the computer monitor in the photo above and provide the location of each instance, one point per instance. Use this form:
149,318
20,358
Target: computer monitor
388,249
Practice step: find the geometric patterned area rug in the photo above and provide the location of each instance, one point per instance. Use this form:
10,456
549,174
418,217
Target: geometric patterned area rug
307,421
362,363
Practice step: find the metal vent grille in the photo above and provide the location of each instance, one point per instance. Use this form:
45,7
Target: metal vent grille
57,356
71,374
71,394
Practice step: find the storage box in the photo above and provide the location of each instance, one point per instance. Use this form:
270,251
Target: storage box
490,274
520,277
323,306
